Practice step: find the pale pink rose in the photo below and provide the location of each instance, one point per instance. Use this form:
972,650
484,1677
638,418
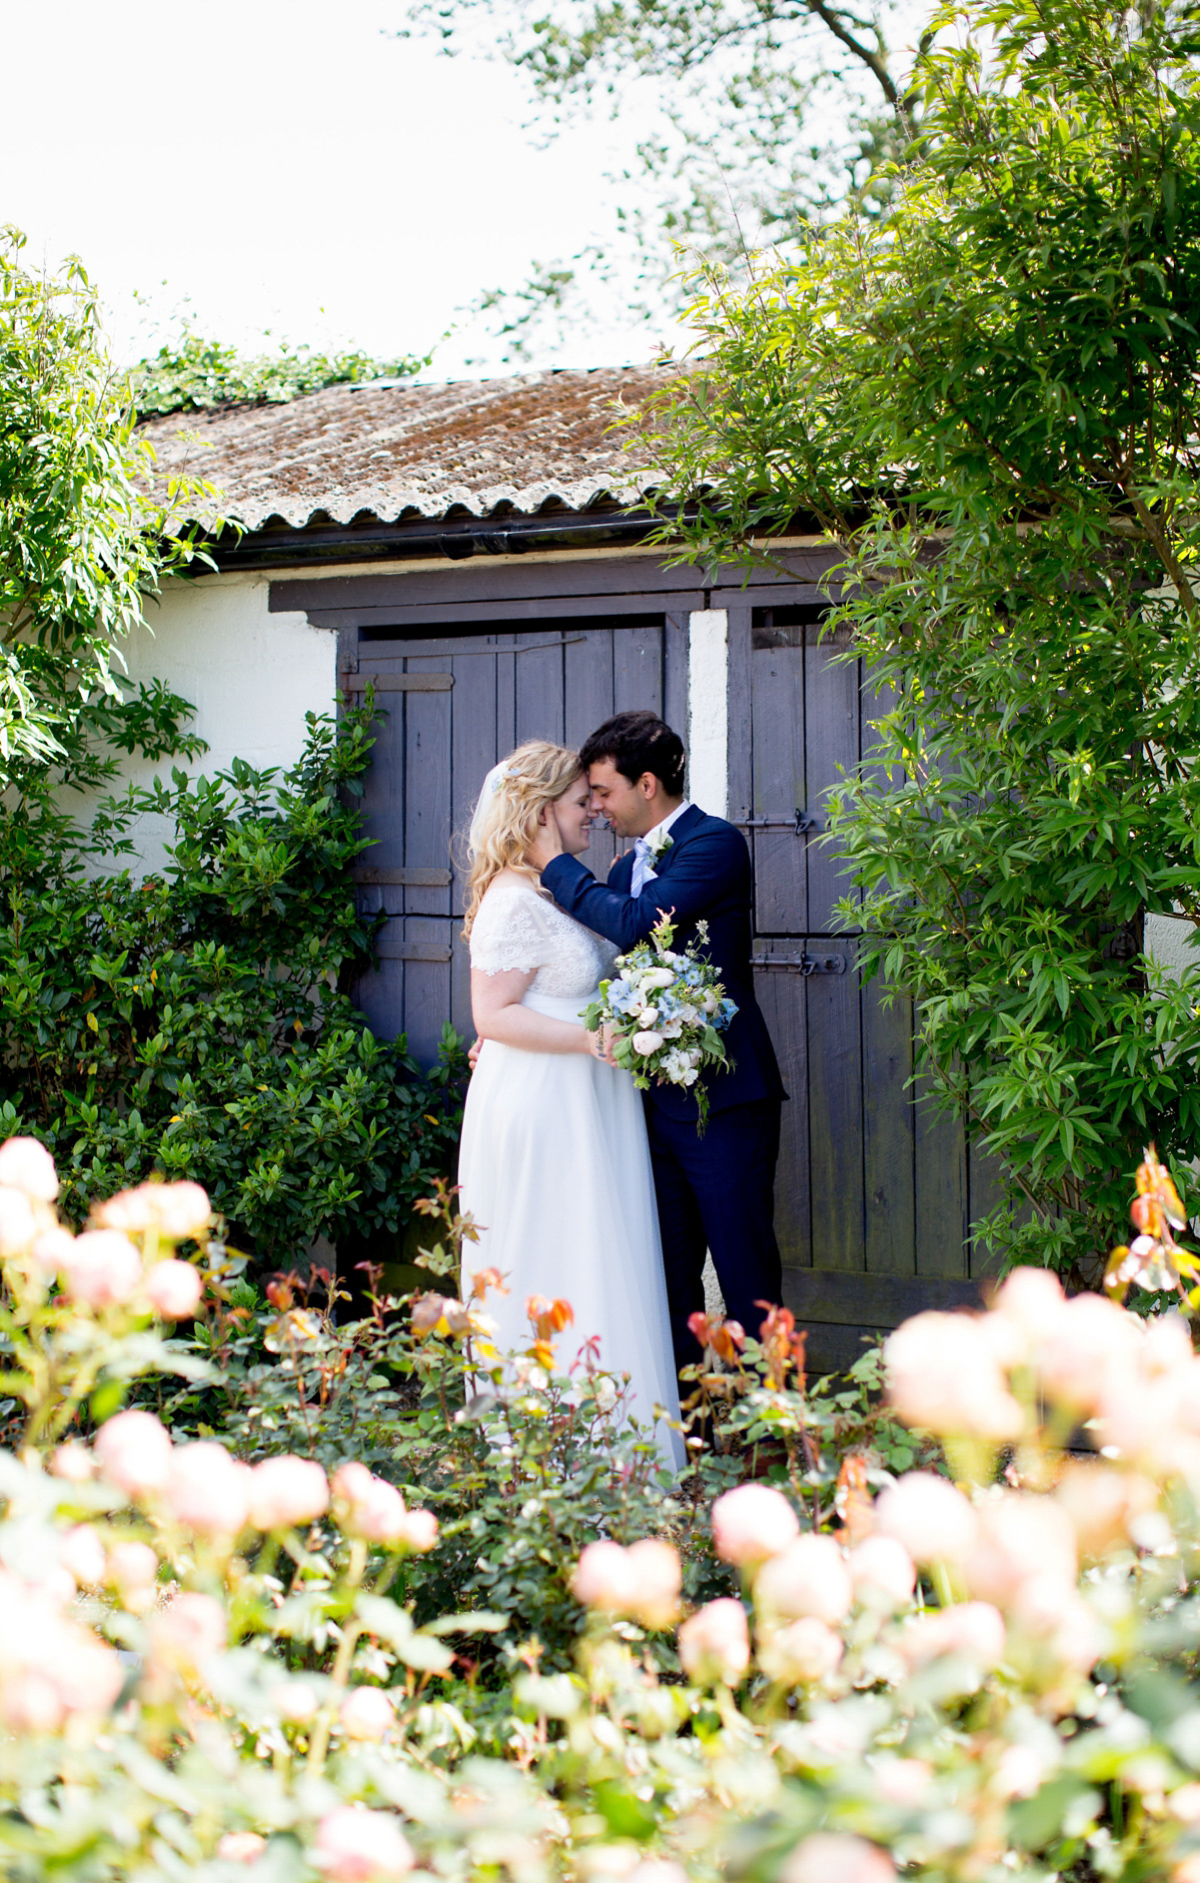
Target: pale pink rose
929,1516
241,1847
29,1703
1020,1535
368,1506
657,1579
1101,1503
295,1700
173,1289
805,1650
82,1553
178,1211
943,1375
1032,1300
837,1857
355,1845
87,1674
102,1270
751,1523
27,1165
903,1782
1184,1803
647,1042
133,1569
1068,1631
135,1451
714,1643
809,1577
883,1573
52,1249
367,1713
603,1578
287,1491
1018,1773
189,1631
18,1225
72,1462
1094,1340
420,1532
208,1490
974,1630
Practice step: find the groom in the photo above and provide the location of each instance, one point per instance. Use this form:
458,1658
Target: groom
714,1192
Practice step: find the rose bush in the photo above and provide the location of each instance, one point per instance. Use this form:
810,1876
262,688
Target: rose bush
218,1659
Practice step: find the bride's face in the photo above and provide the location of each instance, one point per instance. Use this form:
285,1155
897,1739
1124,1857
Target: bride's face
572,813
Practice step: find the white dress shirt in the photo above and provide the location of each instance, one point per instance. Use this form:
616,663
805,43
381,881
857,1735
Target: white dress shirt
643,857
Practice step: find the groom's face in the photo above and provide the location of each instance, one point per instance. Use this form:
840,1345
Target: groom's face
630,805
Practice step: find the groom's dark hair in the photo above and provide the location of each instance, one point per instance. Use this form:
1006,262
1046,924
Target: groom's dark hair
636,743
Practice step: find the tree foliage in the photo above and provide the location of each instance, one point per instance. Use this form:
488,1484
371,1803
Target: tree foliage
193,374
991,402
81,543
764,114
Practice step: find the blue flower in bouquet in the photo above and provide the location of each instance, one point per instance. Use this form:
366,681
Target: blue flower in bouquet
724,1013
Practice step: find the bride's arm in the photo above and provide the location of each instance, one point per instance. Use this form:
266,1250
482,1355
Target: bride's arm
498,1015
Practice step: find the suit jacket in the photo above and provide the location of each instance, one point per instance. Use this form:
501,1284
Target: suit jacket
703,876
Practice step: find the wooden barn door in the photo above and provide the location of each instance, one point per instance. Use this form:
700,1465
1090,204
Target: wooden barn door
455,703
874,1197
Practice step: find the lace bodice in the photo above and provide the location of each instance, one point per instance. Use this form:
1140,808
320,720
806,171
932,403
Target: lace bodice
517,928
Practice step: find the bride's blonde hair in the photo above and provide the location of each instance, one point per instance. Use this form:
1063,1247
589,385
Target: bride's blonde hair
503,828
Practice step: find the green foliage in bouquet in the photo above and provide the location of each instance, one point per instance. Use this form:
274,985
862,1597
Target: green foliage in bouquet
665,1012
198,1023
990,401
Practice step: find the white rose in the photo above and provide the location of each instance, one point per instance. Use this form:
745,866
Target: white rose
711,1003
647,1043
658,977
647,1017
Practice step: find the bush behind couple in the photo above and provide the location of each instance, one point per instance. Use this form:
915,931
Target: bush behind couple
543,932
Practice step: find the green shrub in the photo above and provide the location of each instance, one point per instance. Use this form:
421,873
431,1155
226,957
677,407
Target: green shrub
199,1023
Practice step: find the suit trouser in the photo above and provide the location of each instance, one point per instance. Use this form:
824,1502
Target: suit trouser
717,1192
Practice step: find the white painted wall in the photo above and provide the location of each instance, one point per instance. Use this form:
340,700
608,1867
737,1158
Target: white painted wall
708,710
252,676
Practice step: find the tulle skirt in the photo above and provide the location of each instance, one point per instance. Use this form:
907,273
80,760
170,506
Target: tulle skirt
555,1169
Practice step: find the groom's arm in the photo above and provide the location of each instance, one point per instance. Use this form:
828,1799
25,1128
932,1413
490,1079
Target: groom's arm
706,871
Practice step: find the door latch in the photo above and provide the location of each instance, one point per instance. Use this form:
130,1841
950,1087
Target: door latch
800,962
800,823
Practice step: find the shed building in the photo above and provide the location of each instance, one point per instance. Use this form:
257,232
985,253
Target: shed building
478,550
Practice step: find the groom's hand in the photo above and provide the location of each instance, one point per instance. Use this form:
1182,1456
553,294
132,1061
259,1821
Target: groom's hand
547,842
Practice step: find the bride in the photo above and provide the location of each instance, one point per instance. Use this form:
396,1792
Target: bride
554,1163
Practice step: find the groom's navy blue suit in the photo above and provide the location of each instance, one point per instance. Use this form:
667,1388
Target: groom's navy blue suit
717,1191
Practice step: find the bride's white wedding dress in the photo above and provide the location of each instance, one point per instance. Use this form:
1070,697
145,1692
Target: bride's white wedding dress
555,1168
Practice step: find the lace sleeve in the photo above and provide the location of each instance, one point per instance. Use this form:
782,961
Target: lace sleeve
510,931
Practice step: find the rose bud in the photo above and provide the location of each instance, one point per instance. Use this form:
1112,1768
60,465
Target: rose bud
208,1490
133,1570
837,1857
135,1453
419,1532
102,1270
714,1643
27,1165
18,1225
285,1492
174,1289
189,1631
368,1506
82,1553
656,1579
803,1651
241,1847
367,1713
72,1462
751,1523
355,1845
934,1521
883,1573
603,1578
809,1577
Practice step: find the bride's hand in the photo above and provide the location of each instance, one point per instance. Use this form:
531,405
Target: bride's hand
547,841
599,1045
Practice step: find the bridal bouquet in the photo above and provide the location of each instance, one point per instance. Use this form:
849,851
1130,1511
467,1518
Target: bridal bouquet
667,1012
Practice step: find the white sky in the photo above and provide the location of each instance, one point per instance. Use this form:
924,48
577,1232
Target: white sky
284,166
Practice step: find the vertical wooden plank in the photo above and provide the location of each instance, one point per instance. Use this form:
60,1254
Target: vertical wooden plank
426,719
506,696
739,717
460,1016
675,673
637,669
426,988
780,787
587,703
941,1186
831,727
987,1190
783,999
888,1135
472,752
835,1126
540,687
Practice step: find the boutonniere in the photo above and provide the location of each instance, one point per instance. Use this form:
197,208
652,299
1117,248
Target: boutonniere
658,842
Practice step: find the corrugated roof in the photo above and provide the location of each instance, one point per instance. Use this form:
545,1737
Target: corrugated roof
539,441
